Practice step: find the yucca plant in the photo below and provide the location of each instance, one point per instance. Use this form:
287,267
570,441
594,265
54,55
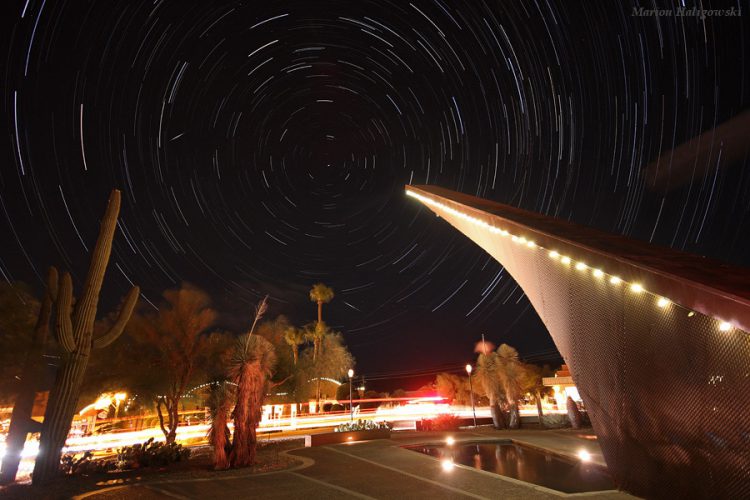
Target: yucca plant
220,404
251,366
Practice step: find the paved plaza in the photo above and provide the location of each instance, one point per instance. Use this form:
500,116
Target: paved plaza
380,469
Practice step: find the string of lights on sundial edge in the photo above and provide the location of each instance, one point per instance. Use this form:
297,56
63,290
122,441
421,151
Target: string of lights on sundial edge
661,302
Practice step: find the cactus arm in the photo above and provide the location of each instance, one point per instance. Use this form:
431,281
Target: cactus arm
122,319
41,329
86,307
52,284
63,324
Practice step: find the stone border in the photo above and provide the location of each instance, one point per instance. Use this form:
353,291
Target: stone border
345,437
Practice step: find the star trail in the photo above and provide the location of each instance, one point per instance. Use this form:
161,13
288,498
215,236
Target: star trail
262,147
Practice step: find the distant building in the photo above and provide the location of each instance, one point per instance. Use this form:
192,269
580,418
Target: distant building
563,386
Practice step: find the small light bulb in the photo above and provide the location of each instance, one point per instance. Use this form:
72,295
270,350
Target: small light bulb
450,441
584,455
691,314
615,280
724,326
598,273
662,302
580,266
565,260
447,464
531,244
554,254
635,287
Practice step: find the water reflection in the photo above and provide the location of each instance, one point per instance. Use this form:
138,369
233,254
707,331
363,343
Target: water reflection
527,464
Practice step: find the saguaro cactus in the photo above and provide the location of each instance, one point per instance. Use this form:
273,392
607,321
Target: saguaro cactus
74,332
21,423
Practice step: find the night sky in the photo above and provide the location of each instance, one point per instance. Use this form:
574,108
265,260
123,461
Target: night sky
262,147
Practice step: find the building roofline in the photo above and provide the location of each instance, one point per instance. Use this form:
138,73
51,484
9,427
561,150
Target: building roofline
706,285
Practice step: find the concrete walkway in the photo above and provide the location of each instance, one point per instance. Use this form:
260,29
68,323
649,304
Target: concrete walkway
377,469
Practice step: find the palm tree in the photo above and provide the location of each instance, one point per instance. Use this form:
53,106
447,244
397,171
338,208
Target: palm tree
487,367
295,337
316,333
510,372
321,294
252,362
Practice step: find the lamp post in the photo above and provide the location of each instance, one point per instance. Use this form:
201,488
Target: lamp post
351,408
471,391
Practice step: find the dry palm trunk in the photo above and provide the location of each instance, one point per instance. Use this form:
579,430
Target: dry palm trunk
540,413
247,385
497,415
514,422
219,434
574,414
255,415
21,423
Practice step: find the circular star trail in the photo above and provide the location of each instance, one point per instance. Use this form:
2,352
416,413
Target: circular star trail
262,147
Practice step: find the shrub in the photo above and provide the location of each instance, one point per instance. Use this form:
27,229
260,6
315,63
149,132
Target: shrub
445,422
363,425
424,424
151,454
71,465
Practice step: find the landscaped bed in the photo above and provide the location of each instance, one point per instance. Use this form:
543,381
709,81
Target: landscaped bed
270,458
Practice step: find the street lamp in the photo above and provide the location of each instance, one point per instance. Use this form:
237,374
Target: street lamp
471,390
351,409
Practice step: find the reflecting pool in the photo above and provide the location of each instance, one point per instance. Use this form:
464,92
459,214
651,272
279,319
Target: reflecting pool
526,464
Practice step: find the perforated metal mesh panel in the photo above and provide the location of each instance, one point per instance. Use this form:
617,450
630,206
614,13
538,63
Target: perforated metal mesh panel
668,391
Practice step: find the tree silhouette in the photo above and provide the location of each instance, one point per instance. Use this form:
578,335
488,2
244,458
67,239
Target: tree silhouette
294,337
315,333
174,341
18,313
333,362
321,294
487,367
23,363
511,373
